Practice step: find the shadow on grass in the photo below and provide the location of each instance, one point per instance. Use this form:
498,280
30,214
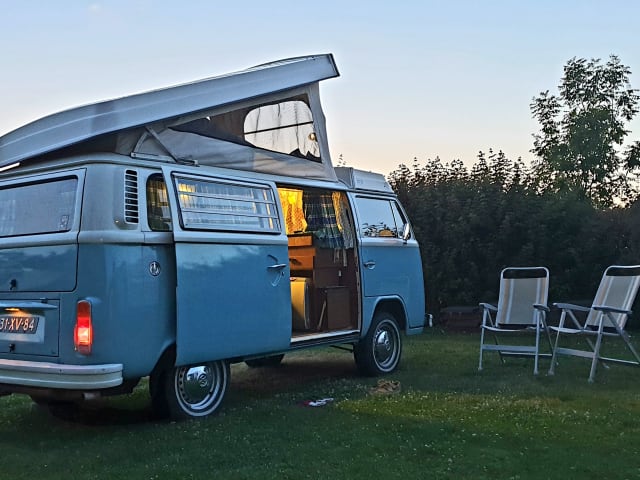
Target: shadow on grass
296,373
97,414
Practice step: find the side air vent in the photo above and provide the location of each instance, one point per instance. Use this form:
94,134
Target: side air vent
131,212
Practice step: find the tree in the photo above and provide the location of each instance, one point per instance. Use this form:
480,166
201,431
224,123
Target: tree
473,222
583,129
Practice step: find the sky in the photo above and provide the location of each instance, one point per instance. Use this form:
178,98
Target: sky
419,78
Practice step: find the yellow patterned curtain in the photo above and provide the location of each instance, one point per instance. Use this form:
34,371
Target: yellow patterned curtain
291,201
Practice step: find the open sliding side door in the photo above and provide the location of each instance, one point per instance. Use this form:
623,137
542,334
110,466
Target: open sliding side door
233,294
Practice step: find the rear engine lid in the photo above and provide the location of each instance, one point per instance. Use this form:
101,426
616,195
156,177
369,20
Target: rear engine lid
38,268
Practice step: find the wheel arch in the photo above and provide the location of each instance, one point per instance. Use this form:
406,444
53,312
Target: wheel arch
395,307
166,361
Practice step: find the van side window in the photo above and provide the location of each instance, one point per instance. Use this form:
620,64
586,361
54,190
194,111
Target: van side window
401,220
377,218
218,205
158,213
34,208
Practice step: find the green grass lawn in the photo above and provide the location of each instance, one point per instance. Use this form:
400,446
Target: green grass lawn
448,421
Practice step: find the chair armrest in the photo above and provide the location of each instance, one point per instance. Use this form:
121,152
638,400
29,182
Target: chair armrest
571,306
488,306
605,308
539,306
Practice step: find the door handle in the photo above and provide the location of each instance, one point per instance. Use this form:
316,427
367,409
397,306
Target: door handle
278,273
370,264
278,266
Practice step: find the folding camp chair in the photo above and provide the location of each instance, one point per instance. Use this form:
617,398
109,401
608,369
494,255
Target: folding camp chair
606,317
522,308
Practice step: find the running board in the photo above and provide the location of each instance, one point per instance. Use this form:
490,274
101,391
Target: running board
322,336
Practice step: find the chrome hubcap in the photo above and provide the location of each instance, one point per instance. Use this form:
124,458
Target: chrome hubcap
197,386
385,347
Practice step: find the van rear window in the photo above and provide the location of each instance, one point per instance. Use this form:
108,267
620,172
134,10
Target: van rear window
36,208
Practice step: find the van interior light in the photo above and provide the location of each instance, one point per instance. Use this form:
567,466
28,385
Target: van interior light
83,331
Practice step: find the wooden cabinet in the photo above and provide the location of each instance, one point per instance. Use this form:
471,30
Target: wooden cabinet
335,301
328,295
322,265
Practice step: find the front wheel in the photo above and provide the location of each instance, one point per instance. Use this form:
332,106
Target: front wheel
193,391
379,351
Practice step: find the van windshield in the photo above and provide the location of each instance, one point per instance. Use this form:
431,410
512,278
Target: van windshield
35,208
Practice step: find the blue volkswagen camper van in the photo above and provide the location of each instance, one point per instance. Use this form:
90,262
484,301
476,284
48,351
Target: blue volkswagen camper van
171,233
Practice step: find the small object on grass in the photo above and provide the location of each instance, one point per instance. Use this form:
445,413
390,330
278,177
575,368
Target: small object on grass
317,403
385,387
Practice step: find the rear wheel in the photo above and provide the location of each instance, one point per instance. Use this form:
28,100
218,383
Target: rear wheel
156,391
190,391
379,351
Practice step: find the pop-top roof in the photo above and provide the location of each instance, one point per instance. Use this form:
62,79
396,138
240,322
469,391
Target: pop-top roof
81,124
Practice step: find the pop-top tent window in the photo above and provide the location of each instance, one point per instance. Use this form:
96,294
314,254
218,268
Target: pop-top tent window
285,127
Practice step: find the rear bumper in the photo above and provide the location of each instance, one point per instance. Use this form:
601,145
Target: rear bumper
59,376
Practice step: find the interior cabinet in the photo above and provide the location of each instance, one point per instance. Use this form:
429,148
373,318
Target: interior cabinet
328,295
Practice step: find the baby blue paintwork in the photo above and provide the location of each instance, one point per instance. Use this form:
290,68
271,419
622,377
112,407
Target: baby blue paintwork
202,295
228,302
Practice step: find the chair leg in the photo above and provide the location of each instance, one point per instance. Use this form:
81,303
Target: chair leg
625,338
596,353
481,348
537,352
552,367
554,353
548,335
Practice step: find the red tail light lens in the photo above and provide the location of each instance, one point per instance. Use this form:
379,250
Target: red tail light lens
83,331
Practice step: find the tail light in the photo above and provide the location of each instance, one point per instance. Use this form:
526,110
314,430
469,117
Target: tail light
83,331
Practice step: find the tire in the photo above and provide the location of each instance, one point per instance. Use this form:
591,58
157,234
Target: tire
156,392
272,361
191,391
379,352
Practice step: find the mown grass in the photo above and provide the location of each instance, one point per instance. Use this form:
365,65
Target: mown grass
448,421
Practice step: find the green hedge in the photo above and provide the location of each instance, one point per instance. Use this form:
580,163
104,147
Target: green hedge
471,223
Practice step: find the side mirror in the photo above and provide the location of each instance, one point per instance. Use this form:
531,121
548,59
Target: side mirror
406,232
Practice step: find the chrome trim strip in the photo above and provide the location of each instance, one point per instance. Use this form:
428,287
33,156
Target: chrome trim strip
56,375
320,336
